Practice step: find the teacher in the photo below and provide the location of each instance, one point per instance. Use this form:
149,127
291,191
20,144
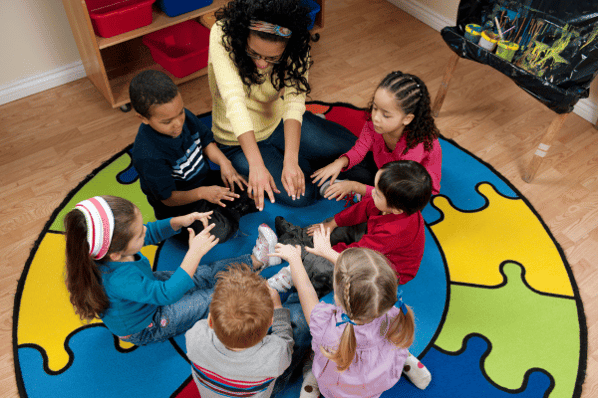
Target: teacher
258,65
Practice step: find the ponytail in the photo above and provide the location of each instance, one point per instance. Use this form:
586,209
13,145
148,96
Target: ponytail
402,329
345,353
83,280
83,275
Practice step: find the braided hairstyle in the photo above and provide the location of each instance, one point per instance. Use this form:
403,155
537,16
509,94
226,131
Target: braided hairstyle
365,287
295,61
412,96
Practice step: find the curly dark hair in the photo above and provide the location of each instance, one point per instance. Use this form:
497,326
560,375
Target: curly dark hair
151,87
295,61
413,97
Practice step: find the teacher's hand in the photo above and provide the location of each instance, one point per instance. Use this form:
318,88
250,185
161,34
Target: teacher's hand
260,180
293,179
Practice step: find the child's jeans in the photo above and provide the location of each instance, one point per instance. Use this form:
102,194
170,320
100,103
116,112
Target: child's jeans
322,141
302,338
174,319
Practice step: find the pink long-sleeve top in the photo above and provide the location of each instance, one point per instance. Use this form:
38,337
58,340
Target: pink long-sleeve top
369,140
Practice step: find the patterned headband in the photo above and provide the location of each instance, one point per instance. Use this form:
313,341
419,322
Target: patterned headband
267,27
100,225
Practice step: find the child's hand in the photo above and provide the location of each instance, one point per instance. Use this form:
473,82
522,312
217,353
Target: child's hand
329,225
230,177
188,219
331,171
287,252
201,243
322,244
338,190
216,194
274,296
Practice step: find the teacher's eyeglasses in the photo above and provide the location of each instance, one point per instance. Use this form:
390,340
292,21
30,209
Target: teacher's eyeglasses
270,60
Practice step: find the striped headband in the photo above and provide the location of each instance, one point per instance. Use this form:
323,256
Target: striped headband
268,27
100,225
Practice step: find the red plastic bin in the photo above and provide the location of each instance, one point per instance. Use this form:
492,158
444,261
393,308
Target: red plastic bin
113,17
181,49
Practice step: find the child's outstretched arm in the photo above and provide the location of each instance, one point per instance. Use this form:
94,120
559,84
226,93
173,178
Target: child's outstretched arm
229,174
184,221
198,246
322,246
331,171
307,293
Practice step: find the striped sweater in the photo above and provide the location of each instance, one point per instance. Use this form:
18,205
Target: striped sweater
220,372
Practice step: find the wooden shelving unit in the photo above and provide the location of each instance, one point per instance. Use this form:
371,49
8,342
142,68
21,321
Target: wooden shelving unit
111,63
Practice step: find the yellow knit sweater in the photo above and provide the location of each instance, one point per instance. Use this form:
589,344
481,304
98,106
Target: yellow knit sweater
235,113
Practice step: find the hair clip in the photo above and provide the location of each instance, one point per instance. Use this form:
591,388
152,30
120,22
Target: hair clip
268,27
402,305
345,318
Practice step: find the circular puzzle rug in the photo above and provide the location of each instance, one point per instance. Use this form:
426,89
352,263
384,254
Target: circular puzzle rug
498,313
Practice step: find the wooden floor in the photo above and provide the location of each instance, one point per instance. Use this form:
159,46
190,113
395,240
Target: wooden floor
50,141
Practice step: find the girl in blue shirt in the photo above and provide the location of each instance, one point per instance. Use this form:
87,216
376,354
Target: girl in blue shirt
109,278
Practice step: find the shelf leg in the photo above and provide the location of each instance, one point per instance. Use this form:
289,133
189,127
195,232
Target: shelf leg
543,147
448,74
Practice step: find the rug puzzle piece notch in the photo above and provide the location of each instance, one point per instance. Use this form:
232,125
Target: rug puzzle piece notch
526,331
475,243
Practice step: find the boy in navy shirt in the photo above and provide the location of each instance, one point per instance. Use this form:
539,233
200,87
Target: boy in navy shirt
171,153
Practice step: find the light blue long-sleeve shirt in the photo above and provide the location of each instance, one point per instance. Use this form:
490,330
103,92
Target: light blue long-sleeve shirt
134,293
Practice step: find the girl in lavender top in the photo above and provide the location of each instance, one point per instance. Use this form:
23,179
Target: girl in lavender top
360,343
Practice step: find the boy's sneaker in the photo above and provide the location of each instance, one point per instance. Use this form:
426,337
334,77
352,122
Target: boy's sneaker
266,240
282,281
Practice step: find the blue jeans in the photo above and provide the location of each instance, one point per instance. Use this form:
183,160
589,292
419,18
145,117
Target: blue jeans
174,319
302,338
322,142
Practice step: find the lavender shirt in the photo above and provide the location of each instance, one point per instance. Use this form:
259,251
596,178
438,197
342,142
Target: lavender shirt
377,365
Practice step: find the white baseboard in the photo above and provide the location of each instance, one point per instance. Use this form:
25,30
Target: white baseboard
424,14
44,81
585,108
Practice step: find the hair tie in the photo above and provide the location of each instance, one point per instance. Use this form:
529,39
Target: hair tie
100,225
345,318
271,28
402,305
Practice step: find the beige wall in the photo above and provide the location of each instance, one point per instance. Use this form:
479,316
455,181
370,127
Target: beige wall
445,8
36,38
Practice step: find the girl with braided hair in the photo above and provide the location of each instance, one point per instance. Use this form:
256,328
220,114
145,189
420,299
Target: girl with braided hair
360,343
400,126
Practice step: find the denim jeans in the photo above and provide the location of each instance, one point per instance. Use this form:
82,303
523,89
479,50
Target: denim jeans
174,319
302,338
322,141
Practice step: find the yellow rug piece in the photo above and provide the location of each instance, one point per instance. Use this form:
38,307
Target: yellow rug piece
476,243
45,303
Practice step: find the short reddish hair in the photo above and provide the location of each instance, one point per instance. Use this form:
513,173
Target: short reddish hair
241,308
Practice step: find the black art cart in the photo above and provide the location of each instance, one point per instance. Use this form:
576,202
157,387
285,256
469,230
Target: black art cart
549,48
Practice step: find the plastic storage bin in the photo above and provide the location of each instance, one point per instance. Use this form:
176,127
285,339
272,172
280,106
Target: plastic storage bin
315,9
181,49
113,17
172,8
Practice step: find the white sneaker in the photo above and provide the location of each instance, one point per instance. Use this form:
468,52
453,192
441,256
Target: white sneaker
282,281
309,387
266,240
416,371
